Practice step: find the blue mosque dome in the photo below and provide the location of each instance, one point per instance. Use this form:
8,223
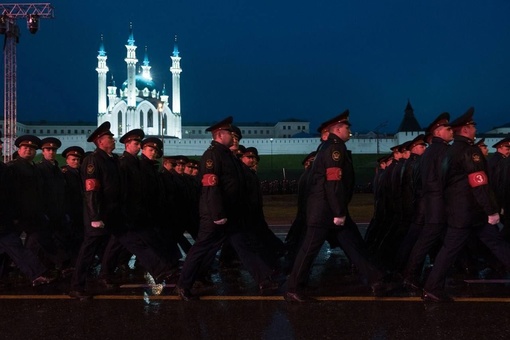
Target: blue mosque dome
141,83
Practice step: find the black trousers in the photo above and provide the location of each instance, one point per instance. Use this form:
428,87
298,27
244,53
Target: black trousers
350,242
25,259
149,259
455,240
431,235
209,240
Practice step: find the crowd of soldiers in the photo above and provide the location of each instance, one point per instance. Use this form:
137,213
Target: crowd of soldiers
442,203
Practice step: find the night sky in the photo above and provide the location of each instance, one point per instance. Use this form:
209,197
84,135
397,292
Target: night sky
264,61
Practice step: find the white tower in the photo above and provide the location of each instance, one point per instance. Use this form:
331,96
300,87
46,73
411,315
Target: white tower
102,70
131,70
112,94
176,80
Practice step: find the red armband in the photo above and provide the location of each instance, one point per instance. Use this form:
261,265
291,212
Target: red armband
333,174
209,180
92,185
477,179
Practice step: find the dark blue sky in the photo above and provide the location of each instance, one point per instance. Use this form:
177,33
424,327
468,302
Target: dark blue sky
270,60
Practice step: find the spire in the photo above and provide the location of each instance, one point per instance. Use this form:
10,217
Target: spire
409,122
112,81
176,48
131,40
146,58
101,51
146,69
163,91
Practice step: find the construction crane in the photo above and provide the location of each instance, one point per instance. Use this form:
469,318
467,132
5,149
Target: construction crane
32,13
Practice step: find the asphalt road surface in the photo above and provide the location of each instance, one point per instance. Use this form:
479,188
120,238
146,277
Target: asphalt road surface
232,309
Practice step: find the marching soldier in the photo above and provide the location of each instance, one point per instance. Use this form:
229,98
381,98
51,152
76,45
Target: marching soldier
297,230
330,188
433,197
471,208
104,216
25,208
73,199
498,180
222,204
54,189
268,245
19,211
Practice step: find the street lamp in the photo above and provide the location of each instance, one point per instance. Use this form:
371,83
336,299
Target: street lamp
160,110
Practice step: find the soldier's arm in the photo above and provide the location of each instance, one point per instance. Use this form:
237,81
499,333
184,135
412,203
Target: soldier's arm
334,188
92,188
478,181
211,185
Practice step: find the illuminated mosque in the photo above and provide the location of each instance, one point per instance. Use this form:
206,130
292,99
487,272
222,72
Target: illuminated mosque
138,104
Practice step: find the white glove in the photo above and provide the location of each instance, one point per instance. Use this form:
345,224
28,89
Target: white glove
339,220
97,224
220,222
494,219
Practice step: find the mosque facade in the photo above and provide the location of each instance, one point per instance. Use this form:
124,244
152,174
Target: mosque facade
138,103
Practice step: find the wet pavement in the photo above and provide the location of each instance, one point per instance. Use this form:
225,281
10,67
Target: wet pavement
232,309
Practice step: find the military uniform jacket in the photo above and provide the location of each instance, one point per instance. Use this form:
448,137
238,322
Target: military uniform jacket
331,183
223,191
132,191
22,187
182,197
469,199
433,189
54,189
170,196
255,216
385,188
496,177
74,193
412,202
396,185
102,191
506,187
152,192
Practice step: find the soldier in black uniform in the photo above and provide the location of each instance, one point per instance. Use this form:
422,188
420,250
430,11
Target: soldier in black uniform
168,229
297,230
73,199
184,220
104,215
379,203
268,245
330,188
483,147
496,164
54,189
433,198
390,242
470,206
153,198
222,203
413,207
25,207
17,180
379,230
